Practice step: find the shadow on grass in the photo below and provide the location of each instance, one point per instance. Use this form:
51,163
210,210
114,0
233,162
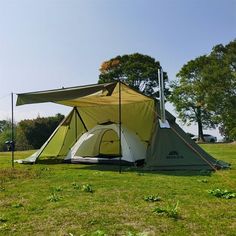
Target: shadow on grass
124,168
140,170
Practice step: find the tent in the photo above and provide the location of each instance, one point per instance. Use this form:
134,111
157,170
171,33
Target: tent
113,122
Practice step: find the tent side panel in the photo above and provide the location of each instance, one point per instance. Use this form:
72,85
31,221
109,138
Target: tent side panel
74,132
172,149
65,137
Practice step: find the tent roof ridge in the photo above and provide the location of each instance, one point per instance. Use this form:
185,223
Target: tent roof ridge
67,88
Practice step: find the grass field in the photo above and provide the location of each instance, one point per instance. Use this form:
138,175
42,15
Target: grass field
67,199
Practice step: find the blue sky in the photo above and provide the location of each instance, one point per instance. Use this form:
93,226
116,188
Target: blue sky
47,44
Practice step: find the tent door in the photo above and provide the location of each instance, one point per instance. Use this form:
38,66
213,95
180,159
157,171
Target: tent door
109,144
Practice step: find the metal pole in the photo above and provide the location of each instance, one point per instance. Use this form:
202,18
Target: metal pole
12,132
162,96
76,135
120,127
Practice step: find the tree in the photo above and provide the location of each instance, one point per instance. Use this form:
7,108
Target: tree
33,133
206,91
5,133
188,95
220,79
137,70
4,124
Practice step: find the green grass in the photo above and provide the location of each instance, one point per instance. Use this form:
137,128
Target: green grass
55,199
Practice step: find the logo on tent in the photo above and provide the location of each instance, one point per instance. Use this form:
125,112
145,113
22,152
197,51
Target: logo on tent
174,155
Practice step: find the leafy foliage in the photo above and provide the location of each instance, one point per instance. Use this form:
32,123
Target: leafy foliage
189,95
220,79
17,205
152,198
220,193
170,211
29,134
138,70
206,91
99,233
5,133
54,197
38,130
76,186
87,188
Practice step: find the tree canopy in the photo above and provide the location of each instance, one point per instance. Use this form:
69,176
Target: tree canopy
138,70
205,92
30,133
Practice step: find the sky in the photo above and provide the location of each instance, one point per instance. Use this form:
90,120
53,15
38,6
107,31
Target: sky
47,44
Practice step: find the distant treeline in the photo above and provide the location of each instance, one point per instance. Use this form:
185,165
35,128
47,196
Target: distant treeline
30,133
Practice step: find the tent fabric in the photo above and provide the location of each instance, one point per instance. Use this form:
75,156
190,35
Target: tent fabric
177,153
91,129
99,94
63,93
104,140
59,143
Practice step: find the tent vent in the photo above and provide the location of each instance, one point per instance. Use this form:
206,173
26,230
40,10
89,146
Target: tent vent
164,125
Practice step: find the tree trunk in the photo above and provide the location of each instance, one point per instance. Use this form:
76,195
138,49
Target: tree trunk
199,122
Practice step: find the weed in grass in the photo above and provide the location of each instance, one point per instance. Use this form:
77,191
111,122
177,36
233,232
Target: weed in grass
57,189
136,234
76,186
220,193
152,198
87,188
140,174
3,219
170,211
54,198
17,205
36,208
3,227
45,169
99,233
3,224
2,189
202,181
93,222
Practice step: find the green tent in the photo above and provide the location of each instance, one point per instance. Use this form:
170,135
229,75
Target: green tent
112,119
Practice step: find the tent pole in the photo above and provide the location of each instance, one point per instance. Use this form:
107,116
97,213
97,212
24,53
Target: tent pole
119,127
76,135
78,114
12,144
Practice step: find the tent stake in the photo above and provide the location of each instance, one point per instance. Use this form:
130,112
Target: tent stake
12,144
119,127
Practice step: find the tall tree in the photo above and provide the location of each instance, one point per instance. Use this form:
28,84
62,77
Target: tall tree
220,79
188,95
138,70
206,90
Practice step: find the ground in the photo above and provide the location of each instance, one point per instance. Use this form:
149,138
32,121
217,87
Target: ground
72,199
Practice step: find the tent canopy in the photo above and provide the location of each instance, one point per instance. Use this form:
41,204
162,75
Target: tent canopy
90,95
